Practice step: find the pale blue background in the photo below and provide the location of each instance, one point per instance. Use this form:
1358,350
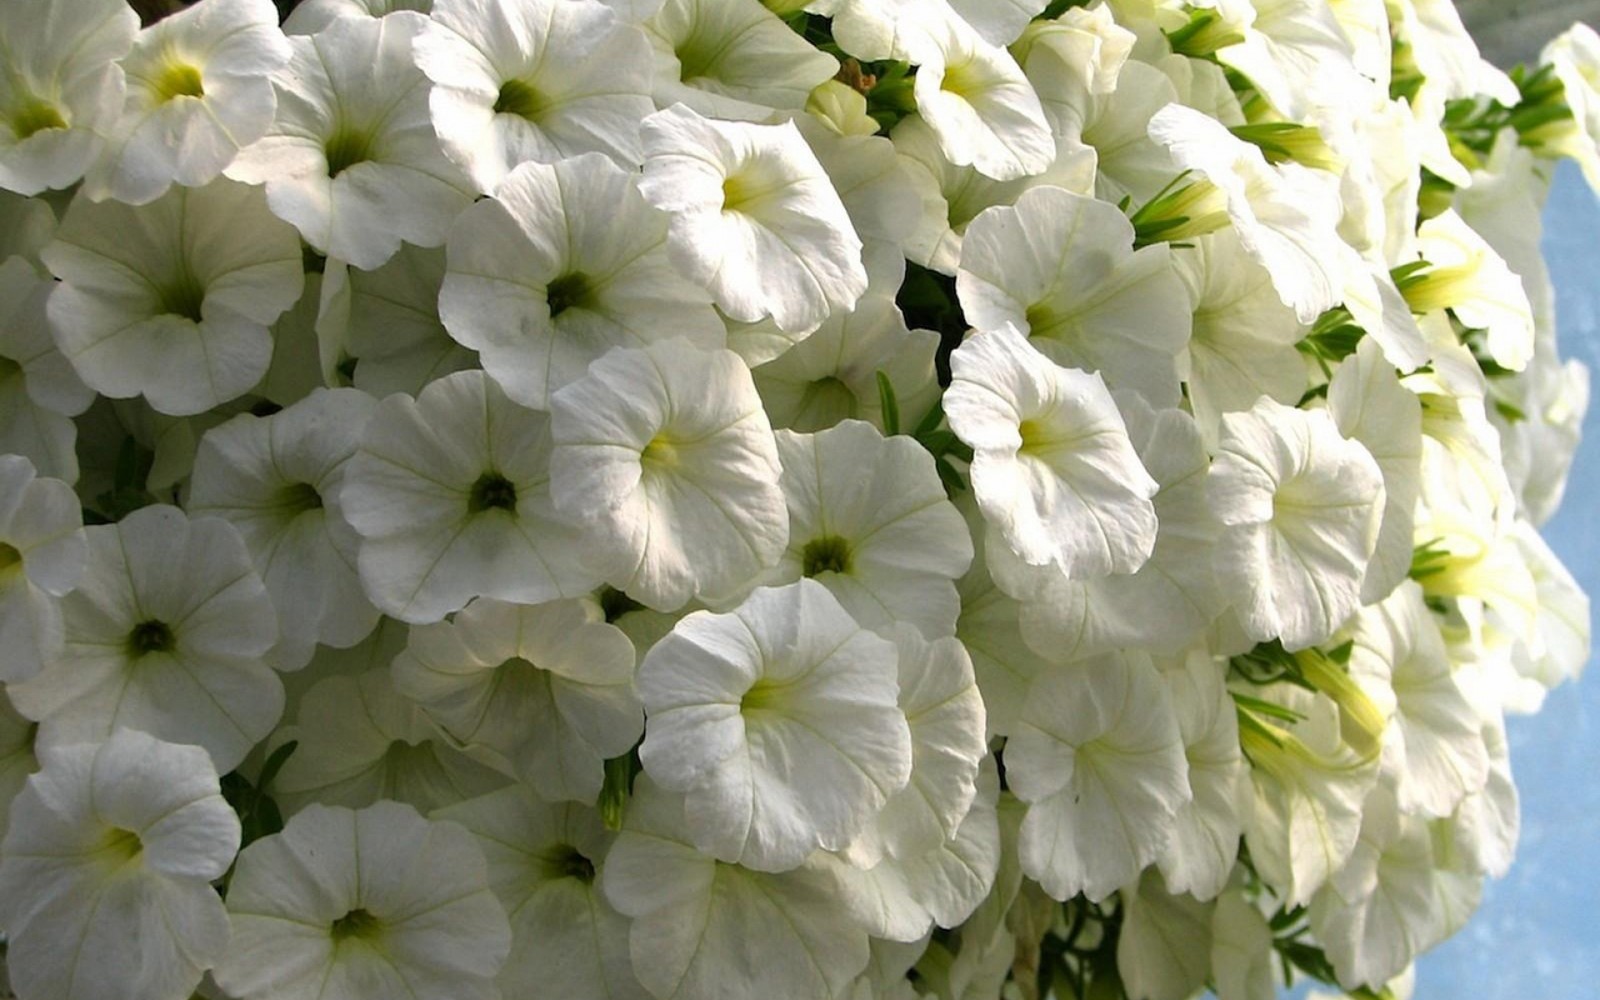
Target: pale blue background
1537,935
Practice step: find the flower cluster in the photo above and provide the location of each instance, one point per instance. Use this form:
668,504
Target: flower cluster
665,499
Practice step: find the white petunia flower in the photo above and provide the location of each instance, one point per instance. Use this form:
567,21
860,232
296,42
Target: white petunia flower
172,300
105,886
1575,54
165,632
1053,469
380,330
562,264
1301,507
940,699
351,158
667,456
1099,759
545,862
1296,54
1115,310
540,80
1469,278
199,88
450,494
544,688
1243,956
360,741
753,218
704,928
732,59
1164,944
1286,219
311,16
869,520
17,759
348,905
42,556
61,87
780,723
277,479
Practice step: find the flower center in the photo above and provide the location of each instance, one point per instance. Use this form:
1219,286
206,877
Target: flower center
178,79
34,114
763,696
828,554
660,452
518,97
183,298
824,402
346,148
121,846
566,861
358,924
492,491
297,498
698,54
570,291
151,636
9,557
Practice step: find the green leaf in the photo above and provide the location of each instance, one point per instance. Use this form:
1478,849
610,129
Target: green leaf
889,405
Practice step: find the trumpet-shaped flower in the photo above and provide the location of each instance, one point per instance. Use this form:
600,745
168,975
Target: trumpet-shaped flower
172,300
1468,277
277,479
1053,469
61,87
1301,507
753,218
545,866
165,632
105,886
544,688
351,158
1113,310
533,81
1099,759
1575,54
704,928
667,457
779,721
564,263
450,494
42,555
39,391
868,519
199,88
345,905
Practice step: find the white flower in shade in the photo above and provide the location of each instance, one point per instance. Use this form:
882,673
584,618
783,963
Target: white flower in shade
41,558
940,699
832,374
1205,842
382,329
450,495
1117,311
17,759
703,928
1243,958
346,905
1167,602
1371,406
311,16
1099,759
351,158
105,886
562,264
165,632
1164,945
39,391
1300,507
1470,279
868,519
732,59
1243,339
1286,219
1053,469
360,741
62,87
753,218
533,81
277,479
902,899
545,688
199,88
667,456
171,300
780,723
544,865
1433,745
